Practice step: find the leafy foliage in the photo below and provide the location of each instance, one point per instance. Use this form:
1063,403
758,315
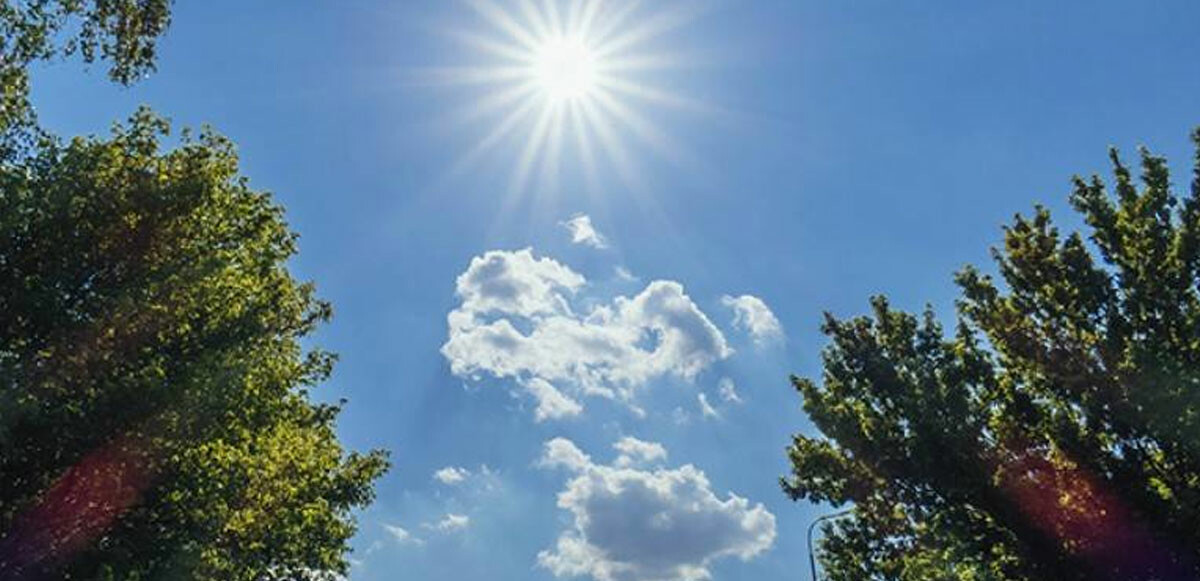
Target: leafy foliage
1054,435
122,32
155,420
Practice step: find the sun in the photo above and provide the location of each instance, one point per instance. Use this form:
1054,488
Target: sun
565,68
577,82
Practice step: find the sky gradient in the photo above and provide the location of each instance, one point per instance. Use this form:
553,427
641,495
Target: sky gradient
832,153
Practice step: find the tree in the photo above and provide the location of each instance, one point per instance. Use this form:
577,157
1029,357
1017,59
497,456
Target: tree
155,418
122,32
1054,435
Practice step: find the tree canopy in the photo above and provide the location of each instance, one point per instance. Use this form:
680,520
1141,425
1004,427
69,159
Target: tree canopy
155,418
123,33
1055,434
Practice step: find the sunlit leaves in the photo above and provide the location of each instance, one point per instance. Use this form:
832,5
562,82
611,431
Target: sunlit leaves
1055,436
152,368
123,33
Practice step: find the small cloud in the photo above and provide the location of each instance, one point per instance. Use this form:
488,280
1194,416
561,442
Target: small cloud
583,232
402,535
624,274
706,408
451,523
451,475
563,452
753,315
728,390
634,451
679,416
487,480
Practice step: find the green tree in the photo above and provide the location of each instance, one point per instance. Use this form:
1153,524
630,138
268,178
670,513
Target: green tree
155,421
1054,435
121,32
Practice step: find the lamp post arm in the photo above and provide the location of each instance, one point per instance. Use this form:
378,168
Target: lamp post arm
812,561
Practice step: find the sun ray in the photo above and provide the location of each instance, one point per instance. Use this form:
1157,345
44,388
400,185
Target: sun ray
489,107
540,24
501,130
613,22
642,128
501,19
497,48
492,104
646,62
479,75
532,150
654,95
551,164
611,145
574,12
587,16
572,81
552,17
583,142
661,23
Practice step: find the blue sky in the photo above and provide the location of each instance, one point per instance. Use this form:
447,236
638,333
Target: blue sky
837,152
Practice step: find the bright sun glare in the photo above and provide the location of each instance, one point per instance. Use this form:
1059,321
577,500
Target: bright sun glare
565,68
569,78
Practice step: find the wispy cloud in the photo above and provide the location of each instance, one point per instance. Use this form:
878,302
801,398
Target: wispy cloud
728,390
706,409
584,232
402,535
451,523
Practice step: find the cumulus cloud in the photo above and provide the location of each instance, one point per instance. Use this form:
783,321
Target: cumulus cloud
706,409
583,232
517,320
451,475
648,524
728,390
402,535
635,451
753,315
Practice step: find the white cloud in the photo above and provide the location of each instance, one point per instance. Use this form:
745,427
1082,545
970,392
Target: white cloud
752,315
563,452
451,523
551,403
728,390
516,321
583,232
635,451
624,274
706,408
653,524
451,475
516,283
402,536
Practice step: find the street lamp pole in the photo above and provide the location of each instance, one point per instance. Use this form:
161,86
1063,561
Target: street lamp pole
812,561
